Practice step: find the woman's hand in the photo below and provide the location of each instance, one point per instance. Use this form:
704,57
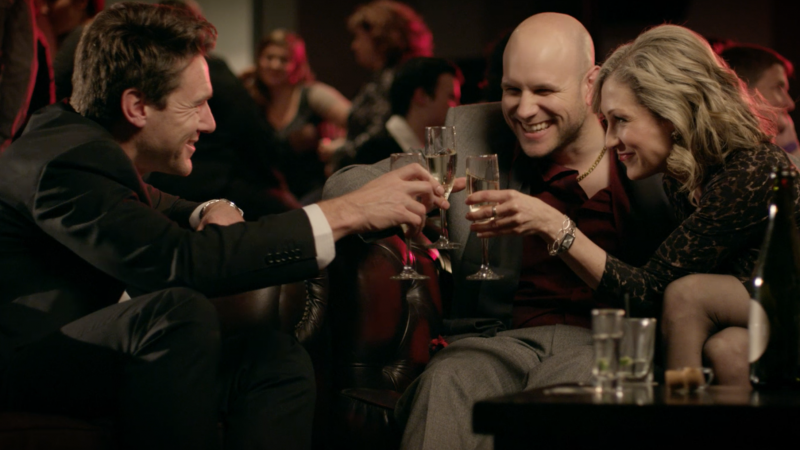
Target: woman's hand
517,214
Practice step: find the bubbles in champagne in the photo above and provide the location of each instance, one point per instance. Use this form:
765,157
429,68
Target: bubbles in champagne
475,184
443,168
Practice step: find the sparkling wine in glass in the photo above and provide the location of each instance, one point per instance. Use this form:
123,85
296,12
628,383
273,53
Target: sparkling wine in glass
399,160
440,151
483,174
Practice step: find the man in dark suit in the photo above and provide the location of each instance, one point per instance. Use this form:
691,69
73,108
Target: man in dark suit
422,91
531,328
78,226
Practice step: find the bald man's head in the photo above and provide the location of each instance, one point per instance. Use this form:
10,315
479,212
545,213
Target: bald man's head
557,33
548,72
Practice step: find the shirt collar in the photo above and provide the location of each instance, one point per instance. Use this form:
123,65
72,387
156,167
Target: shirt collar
401,131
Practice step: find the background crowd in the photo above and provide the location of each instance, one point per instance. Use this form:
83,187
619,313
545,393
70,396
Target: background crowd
273,150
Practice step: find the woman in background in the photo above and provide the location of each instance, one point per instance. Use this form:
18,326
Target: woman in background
385,34
295,105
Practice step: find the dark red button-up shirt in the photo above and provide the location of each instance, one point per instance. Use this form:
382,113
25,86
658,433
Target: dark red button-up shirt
549,291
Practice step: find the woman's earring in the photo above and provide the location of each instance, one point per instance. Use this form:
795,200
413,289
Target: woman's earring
676,138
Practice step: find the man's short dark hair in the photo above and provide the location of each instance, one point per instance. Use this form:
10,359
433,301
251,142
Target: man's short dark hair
417,73
751,61
139,46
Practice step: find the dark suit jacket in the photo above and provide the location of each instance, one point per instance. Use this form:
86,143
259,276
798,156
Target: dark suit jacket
78,226
379,147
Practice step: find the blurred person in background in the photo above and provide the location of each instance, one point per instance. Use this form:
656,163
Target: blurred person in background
385,34
26,73
67,19
767,72
422,92
296,106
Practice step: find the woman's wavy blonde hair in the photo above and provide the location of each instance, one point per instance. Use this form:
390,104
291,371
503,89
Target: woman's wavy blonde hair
675,74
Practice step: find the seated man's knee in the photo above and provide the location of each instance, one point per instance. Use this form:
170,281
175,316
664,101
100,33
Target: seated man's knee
180,302
180,309
456,368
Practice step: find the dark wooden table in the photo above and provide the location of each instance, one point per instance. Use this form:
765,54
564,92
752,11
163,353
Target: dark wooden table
571,416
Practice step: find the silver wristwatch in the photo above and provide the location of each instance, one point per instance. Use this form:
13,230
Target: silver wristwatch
564,238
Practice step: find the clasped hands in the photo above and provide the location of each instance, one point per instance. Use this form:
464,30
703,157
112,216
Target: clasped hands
513,213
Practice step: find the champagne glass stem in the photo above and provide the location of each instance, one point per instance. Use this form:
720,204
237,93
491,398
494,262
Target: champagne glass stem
407,265
485,255
443,219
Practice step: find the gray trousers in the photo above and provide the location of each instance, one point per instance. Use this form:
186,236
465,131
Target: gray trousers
437,408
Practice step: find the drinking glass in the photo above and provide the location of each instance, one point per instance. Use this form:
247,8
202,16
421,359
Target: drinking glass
440,151
483,174
399,160
606,334
636,351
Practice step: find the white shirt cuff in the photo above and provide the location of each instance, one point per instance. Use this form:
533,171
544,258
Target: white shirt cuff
194,219
323,235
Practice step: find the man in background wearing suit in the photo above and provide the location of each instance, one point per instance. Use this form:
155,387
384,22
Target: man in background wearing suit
422,91
767,72
530,329
78,226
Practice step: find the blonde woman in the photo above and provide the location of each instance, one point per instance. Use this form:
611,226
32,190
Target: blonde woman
672,107
295,104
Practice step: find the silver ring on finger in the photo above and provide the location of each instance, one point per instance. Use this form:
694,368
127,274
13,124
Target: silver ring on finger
494,211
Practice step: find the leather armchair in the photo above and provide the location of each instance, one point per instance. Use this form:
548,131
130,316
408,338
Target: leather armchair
380,331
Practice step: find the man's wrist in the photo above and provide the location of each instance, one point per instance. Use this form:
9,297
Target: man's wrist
225,201
341,216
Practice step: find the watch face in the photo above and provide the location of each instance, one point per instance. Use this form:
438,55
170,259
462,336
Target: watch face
567,242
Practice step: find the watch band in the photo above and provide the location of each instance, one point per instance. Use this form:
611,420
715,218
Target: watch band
564,238
211,202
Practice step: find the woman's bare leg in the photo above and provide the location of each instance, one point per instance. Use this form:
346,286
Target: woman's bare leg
695,307
726,352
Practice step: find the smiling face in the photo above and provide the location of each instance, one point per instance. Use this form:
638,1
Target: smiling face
544,96
642,141
274,65
166,141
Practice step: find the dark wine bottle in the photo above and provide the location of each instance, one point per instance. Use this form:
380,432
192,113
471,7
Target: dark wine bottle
774,322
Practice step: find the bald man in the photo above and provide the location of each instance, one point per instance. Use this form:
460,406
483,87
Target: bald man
530,329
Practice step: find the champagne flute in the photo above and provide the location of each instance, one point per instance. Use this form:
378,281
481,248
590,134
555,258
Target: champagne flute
440,151
399,160
483,174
